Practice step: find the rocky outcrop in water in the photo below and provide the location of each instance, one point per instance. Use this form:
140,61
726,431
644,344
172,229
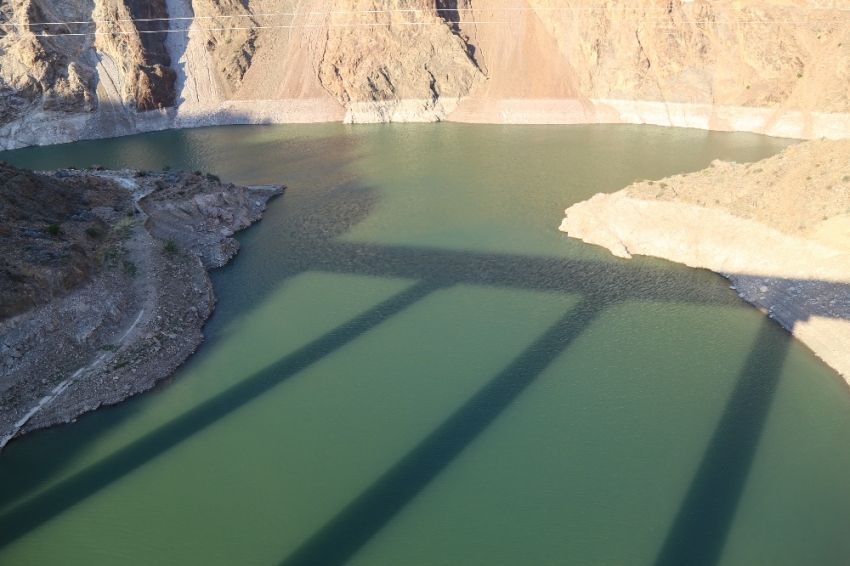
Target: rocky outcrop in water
103,283
767,66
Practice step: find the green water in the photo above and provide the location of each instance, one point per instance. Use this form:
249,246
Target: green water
410,365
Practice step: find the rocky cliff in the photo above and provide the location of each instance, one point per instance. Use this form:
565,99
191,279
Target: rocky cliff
72,70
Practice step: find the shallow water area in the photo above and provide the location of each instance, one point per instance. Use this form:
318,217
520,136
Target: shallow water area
409,364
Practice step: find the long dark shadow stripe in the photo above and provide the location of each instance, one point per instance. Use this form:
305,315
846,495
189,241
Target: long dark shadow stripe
705,517
618,279
29,515
347,532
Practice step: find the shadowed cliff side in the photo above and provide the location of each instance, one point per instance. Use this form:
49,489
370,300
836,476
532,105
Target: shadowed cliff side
127,34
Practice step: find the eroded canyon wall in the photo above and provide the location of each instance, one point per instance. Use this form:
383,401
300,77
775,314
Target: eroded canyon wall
74,69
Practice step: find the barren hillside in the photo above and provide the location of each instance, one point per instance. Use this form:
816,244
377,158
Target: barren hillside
73,70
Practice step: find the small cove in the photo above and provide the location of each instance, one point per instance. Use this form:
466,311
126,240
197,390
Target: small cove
409,364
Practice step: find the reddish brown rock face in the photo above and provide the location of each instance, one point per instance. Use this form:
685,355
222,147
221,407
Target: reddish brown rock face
128,35
48,65
155,87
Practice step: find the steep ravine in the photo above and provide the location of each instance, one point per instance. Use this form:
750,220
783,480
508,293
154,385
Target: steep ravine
767,66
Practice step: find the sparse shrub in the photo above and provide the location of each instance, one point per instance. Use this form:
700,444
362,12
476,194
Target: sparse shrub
166,167
799,75
54,230
124,227
130,268
198,173
109,257
170,246
214,178
662,185
846,178
650,183
93,232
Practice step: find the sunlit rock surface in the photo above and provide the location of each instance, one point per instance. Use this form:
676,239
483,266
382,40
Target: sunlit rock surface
762,66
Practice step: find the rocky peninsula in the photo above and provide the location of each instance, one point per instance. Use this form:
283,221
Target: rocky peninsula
778,229
103,283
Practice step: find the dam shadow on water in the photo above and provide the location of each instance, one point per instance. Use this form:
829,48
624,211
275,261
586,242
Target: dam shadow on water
701,525
706,514
316,245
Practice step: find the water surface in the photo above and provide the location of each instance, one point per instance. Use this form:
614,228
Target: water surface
409,364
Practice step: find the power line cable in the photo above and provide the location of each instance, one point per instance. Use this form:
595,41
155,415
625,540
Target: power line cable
388,11
381,11
437,21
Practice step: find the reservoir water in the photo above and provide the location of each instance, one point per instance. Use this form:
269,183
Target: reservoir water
410,365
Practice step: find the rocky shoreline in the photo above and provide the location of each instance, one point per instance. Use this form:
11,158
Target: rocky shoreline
140,312
778,229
